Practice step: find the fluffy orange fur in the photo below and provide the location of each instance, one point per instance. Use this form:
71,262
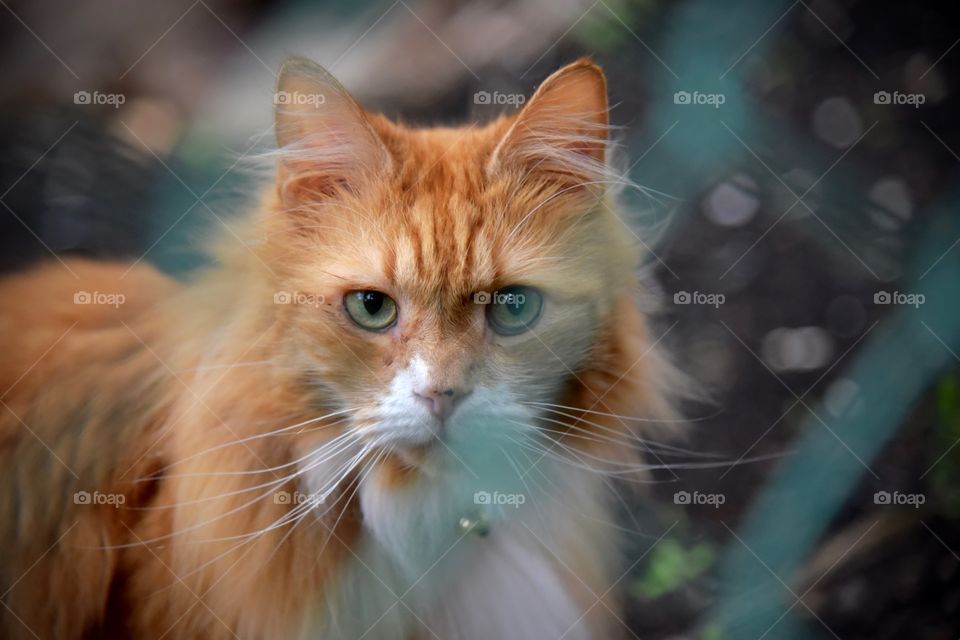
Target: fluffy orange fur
174,398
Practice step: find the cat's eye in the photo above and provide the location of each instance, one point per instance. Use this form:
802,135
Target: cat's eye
372,310
513,310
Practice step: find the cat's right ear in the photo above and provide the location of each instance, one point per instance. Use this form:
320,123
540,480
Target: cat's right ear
326,143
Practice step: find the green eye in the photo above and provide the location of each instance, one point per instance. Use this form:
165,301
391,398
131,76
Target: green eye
371,310
514,310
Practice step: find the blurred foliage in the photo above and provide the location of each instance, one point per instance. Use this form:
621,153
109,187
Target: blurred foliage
672,565
610,30
945,474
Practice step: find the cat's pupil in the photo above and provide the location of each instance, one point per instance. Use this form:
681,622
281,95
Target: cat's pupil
515,308
372,301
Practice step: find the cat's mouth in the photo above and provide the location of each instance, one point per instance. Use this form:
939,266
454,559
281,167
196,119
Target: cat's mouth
416,455
414,433
415,442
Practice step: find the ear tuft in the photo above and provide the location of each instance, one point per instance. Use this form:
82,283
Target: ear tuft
563,129
324,136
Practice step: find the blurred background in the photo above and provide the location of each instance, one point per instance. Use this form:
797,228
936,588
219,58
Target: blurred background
799,164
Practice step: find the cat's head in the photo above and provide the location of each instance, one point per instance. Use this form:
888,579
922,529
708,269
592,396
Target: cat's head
443,281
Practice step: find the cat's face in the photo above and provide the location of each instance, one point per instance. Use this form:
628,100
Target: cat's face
442,280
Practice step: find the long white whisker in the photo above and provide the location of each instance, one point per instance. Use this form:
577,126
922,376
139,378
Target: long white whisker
339,475
248,472
629,469
338,444
244,539
230,512
578,431
663,446
258,436
621,417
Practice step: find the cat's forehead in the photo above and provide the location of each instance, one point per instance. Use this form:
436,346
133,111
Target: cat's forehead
436,245
443,228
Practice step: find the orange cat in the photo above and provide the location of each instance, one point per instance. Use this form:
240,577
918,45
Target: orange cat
392,416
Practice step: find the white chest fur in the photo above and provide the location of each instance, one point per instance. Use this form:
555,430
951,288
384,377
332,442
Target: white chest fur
417,575
509,587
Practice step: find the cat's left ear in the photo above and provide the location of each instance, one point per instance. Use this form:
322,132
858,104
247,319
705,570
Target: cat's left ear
326,141
563,129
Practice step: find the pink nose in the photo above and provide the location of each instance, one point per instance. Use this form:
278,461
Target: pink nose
441,402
